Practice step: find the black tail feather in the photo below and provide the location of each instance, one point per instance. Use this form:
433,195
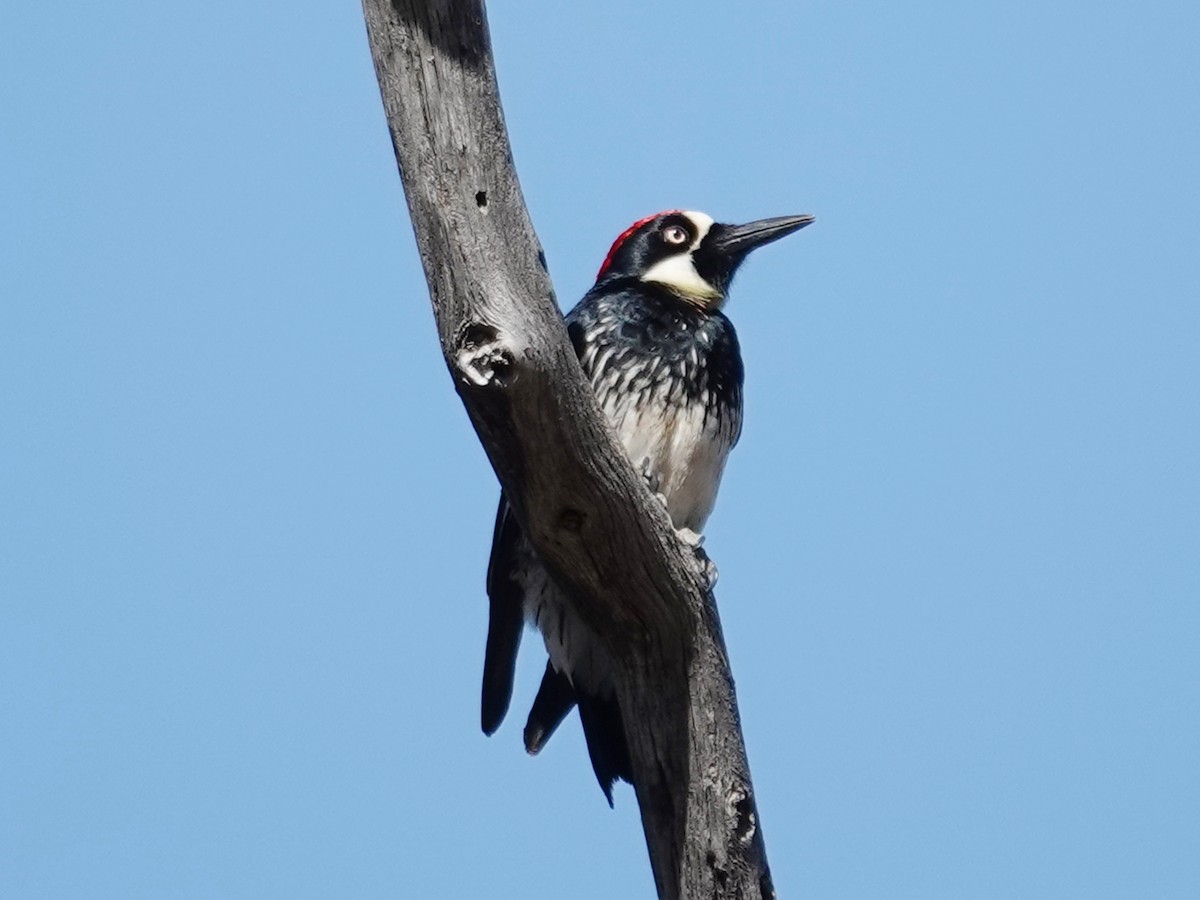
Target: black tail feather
506,620
500,661
606,743
555,698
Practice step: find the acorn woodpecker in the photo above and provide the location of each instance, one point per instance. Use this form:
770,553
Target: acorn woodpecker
665,365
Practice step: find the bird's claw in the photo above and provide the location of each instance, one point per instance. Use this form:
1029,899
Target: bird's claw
653,481
695,540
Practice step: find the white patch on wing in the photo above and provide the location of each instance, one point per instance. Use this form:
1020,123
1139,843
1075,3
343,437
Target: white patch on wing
678,272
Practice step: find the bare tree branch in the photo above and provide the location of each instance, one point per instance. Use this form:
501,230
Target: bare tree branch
588,514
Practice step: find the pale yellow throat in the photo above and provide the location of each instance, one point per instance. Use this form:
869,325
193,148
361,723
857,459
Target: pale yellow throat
678,273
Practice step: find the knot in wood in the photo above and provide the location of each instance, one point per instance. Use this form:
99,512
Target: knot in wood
482,358
571,520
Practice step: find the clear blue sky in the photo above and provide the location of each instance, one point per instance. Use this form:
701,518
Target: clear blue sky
244,521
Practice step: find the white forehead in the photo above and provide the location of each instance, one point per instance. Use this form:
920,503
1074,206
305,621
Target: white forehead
702,223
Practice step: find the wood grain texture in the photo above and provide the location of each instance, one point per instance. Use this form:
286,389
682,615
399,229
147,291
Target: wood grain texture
598,528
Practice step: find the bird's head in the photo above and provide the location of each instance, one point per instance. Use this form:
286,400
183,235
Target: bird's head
689,254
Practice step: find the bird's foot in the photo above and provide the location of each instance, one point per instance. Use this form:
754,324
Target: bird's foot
695,540
653,481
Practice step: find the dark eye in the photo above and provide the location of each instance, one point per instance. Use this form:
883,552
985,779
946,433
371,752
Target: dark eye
675,234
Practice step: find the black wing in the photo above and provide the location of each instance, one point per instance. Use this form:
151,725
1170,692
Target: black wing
506,619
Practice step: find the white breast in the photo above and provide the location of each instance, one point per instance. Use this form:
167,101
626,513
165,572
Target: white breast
677,447
683,453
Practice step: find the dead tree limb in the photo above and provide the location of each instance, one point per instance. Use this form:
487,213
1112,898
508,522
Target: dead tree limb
589,515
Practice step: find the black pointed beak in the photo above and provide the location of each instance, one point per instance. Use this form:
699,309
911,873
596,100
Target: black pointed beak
735,241
726,246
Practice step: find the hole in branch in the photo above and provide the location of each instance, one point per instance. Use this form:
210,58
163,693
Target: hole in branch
481,199
476,335
744,829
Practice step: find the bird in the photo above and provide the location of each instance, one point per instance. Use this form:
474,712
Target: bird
664,363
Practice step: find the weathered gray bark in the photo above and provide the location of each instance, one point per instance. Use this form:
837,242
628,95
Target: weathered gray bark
589,515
